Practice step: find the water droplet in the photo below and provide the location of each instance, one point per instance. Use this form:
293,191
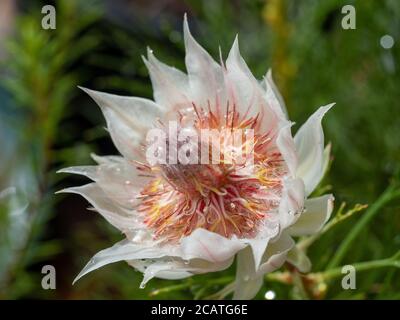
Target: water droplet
127,182
142,285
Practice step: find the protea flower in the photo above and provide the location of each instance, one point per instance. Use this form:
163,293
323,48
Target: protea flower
185,219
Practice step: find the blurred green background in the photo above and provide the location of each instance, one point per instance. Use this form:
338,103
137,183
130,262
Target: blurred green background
47,123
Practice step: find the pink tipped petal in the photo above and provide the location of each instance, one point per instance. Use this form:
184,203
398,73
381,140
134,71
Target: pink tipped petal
317,213
309,142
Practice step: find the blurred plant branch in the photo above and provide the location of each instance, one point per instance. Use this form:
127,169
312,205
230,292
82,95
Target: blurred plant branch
41,81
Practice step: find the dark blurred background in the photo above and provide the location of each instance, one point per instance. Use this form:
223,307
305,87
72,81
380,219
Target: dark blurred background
47,123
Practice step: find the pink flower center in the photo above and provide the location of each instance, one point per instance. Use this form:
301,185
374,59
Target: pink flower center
228,198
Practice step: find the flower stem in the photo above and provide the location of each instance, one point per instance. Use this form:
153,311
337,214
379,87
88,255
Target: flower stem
389,194
362,266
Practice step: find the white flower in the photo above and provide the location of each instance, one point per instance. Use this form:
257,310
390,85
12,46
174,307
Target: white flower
180,220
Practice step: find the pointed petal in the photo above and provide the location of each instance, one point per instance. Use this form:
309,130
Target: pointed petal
274,97
317,213
309,142
128,119
258,245
164,270
299,259
205,75
88,171
245,92
123,250
275,255
247,282
170,85
118,217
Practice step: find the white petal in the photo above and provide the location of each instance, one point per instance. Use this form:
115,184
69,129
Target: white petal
122,182
88,171
170,85
247,282
286,146
107,159
274,97
175,268
210,246
327,154
275,255
205,75
164,270
268,231
299,259
317,213
309,142
250,279
246,93
120,218
124,250
128,119
292,202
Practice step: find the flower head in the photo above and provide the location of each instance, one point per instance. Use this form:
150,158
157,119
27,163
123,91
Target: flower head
182,218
